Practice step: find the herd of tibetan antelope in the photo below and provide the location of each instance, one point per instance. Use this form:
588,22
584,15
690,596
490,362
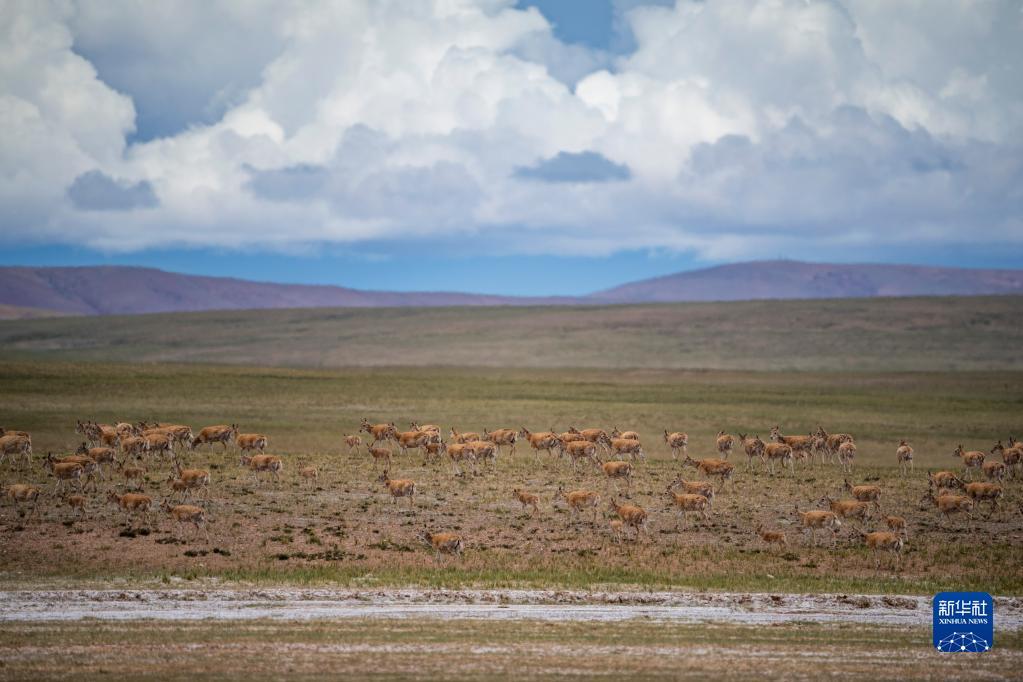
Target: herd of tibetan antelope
617,456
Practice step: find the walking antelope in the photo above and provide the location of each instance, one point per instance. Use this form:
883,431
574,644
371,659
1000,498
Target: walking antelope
846,453
778,451
436,449
220,433
268,463
896,524
711,467
799,444
460,453
974,459
159,443
443,543
678,441
186,513
432,429
628,435
634,516
466,437
77,504
686,504
846,509
89,468
985,492
816,520
252,442
18,493
882,541
724,444
354,443
904,456
527,499
542,440
501,438
132,503
578,500
753,447
945,479
132,473
380,432
617,527
194,479
483,451
399,487
16,445
133,446
693,488
949,504
65,472
993,471
580,449
597,436
832,441
100,455
627,446
864,493
615,470
408,440
380,454
1011,456
769,537
309,473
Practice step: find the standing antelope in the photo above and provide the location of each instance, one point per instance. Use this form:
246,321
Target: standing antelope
194,479
460,453
309,473
221,433
596,436
753,447
974,459
724,443
578,500
616,470
380,432
380,454
408,440
627,446
801,445
186,513
399,487
1011,456
158,443
433,450
483,451
687,503
864,493
65,472
897,524
634,516
985,492
527,499
846,453
354,443
678,441
711,467
820,520
778,451
15,445
580,449
904,456
252,442
77,504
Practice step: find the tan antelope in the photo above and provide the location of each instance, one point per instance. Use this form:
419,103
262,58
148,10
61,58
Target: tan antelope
354,443
686,504
864,493
14,432
711,467
19,493
678,441
501,438
461,453
131,473
693,488
77,504
578,500
466,437
724,443
616,470
949,504
132,503
897,524
832,441
443,543
846,454
627,446
769,537
778,452
628,435
799,444
617,527
193,479
65,472
133,446
309,473
221,433
380,432
945,479
434,450
578,450
271,464
753,447
380,455
974,459
159,444
186,513
252,442
100,455
408,440
90,468
596,436
16,445
527,499
847,509
483,451
882,541
993,471
542,440
904,456
1011,456
816,520
432,429
399,487
179,434
985,492
634,516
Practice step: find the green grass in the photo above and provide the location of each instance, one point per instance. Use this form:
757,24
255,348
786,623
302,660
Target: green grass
898,334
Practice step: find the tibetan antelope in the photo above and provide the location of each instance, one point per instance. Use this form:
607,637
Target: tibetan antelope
1011,455
186,513
268,463
616,470
434,450
596,436
579,500
443,543
100,455
483,451
846,509
408,440
133,446
769,537
945,479
501,438
633,515
65,472
90,468
724,443
678,441
816,520
77,504
949,504
19,493
578,450
16,445
832,441
883,541
686,504
132,503
309,473
846,454
221,433
993,471
159,443
465,437
194,479
460,453
617,527
380,454
541,440
778,452
131,472
628,435
354,443
801,445
864,493
379,432
527,499
711,467
627,446
432,429
693,488
252,442
753,447
985,492
896,524
904,456
974,459
399,487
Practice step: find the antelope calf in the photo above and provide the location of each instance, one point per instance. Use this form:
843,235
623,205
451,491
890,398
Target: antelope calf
19,493
616,470
252,442
634,516
186,513
309,473
864,493
974,459
881,541
846,454
578,500
527,499
711,467
678,441
993,471
354,443
693,488
77,504
904,456
769,537
444,543
399,487
724,443
816,520
985,492
132,503
132,473
686,504
271,464
617,527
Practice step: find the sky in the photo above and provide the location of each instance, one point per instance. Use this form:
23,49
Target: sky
508,146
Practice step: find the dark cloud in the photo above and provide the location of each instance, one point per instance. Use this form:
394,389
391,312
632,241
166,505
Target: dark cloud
96,191
575,167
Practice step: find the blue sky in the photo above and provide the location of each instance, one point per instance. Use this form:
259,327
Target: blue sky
508,146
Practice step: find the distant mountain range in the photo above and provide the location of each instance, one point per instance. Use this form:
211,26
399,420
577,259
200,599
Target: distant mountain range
115,290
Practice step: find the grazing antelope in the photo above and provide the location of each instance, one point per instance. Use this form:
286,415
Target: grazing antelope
466,437
846,453
132,503
864,493
354,443
16,445
896,524
186,513
260,463
627,446
617,527
882,541
686,504
501,438
252,442
711,467
778,451
221,433
18,493
634,516
769,537
309,473
985,492
1011,456
615,470
678,441
483,451
543,440
724,443
693,488
460,453
132,473
974,459
753,447
949,504
77,504
399,487
904,456
443,543
380,432
580,449
820,520
65,472
380,454
578,500
527,499
628,435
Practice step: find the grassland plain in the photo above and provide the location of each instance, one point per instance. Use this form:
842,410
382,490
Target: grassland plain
475,650
896,334
344,528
